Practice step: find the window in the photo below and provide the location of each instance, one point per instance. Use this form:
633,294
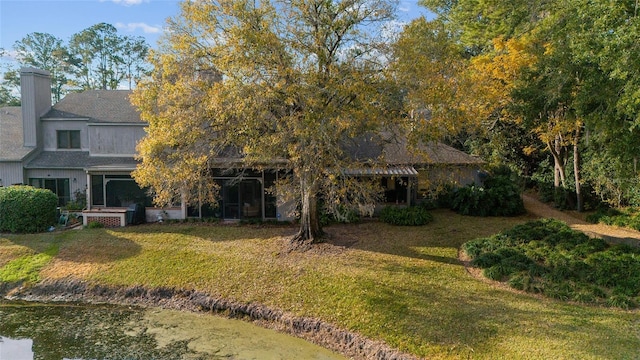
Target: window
60,187
68,139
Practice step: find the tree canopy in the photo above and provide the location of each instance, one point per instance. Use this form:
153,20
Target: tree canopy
288,83
561,71
94,58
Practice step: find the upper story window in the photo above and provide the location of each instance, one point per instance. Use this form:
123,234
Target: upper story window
68,139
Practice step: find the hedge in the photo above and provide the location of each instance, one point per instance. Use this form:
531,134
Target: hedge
25,209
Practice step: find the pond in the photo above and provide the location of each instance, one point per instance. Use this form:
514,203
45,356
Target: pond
34,331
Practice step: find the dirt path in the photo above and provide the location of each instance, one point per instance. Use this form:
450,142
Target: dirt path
612,234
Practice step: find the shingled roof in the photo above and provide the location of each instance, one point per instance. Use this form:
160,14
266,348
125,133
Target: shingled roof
11,135
394,150
79,160
99,106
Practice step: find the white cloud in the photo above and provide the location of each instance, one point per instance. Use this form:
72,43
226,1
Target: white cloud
127,2
132,27
9,55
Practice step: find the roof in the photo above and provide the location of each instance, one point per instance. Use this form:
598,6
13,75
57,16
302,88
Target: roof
428,154
394,150
11,135
80,160
99,106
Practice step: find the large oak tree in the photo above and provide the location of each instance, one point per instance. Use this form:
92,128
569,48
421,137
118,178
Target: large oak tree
258,84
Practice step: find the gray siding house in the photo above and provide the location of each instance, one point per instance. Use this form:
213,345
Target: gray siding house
86,144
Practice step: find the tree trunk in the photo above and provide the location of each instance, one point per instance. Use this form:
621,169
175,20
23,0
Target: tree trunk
558,152
310,230
576,167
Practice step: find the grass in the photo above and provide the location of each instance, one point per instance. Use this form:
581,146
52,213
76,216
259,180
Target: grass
402,285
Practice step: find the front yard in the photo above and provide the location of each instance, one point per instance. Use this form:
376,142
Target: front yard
402,285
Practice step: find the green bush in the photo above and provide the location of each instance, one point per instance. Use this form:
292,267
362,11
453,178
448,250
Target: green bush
547,257
627,217
95,225
499,196
406,216
25,209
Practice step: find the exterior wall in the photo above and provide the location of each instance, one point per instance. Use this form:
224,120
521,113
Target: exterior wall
114,139
77,178
11,173
50,137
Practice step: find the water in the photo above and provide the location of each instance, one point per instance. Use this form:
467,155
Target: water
54,332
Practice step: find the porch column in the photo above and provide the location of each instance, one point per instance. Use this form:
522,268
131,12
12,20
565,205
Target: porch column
89,202
409,185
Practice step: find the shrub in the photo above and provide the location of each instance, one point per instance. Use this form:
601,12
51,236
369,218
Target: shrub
95,225
407,216
341,214
78,202
25,209
546,256
500,196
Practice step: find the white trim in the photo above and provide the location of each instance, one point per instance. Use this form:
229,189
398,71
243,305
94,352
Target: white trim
110,168
143,124
113,155
64,119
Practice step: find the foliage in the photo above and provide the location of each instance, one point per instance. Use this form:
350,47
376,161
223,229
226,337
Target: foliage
7,97
78,202
574,86
24,209
431,68
94,58
623,217
102,59
289,84
341,215
47,52
547,257
406,216
95,225
498,196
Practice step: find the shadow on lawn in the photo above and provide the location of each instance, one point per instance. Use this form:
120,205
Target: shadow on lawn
215,232
97,246
438,241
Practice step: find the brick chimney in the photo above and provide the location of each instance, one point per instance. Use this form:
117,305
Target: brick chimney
35,89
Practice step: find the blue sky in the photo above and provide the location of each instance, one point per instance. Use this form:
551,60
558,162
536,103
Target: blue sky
63,18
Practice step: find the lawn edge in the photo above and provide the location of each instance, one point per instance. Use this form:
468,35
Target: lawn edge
349,344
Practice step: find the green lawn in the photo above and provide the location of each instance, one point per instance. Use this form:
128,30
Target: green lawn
403,285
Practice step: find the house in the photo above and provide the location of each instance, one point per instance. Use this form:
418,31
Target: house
86,145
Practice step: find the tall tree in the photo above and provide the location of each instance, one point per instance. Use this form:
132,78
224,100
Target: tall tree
299,80
7,86
98,57
133,59
47,52
431,67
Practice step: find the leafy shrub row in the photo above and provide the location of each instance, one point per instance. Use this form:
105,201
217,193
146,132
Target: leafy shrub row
406,216
25,209
629,217
548,257
500,196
